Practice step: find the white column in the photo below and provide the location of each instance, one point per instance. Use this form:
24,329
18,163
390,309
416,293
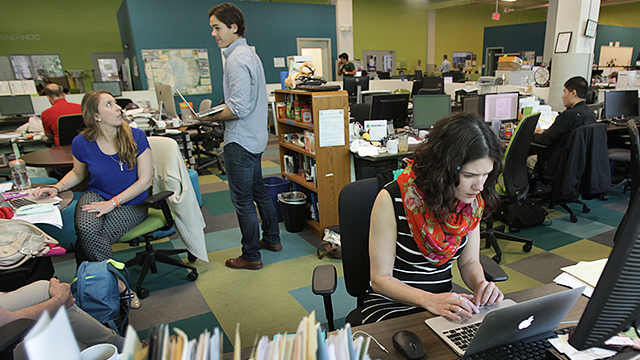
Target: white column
344,28
569,16
431,38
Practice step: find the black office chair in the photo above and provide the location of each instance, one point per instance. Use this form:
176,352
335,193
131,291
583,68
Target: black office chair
582,168
69,126
354,210
434,84
620,153
123,102
634,138
207,141
515,177
11,335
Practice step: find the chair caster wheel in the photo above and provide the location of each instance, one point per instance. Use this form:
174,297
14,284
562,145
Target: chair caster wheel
604,197
192,276
573,219
526,247
191,257
143,293
586,209
134,242
497,259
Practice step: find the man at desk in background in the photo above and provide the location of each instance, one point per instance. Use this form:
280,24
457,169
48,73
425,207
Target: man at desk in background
577,114
347,68
245,136
446,65
59,107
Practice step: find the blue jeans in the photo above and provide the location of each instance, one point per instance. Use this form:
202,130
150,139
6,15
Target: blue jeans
244,173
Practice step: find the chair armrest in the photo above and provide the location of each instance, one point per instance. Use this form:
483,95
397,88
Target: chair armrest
324,280
492,271
12,333
155,199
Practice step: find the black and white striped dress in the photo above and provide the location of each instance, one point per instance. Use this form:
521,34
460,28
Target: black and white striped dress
410,267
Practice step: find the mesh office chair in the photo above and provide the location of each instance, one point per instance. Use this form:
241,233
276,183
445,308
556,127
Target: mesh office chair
69,126
515,181
207,142
159,217
354,210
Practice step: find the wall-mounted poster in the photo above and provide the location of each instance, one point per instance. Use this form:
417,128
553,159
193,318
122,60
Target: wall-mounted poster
184,69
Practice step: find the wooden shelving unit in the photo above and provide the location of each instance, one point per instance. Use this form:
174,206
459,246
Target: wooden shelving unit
332,162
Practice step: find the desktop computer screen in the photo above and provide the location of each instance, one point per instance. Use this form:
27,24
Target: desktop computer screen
620,103
111,86
165,95
503,106
350,84
16,105
427,109
473,104
615,303
390,107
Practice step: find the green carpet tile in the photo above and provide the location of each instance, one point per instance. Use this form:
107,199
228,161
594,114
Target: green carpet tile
274,299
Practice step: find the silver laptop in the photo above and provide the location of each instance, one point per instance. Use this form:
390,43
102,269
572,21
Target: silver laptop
18,202
505,322
206,112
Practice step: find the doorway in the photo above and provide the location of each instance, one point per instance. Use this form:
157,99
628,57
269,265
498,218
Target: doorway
320,51
491,60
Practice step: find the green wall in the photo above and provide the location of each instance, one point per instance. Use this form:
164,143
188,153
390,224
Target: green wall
620,15
71,28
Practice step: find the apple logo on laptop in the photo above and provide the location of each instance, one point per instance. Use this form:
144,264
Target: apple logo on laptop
526,323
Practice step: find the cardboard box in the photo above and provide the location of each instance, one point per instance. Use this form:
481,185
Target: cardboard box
508,66
510,59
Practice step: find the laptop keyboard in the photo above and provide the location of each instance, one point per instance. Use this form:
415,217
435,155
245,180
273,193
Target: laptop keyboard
20,202
462,336
210,110
535,348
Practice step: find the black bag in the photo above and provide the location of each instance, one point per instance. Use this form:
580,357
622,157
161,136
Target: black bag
523,214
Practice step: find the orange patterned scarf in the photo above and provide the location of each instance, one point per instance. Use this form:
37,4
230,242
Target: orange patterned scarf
437,242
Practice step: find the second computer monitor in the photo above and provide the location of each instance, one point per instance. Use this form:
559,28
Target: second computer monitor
390,107
427,109
502,105
165,95
620,103
16,105
111,86
350,84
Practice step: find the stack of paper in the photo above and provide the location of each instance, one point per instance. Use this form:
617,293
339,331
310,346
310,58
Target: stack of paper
584,273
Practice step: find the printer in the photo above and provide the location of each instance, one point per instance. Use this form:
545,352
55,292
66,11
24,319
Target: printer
489,81
466,91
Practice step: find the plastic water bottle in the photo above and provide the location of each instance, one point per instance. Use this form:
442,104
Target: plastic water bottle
19,174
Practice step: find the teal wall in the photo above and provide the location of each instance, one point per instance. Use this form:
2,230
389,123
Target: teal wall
271,27
515,38
628,36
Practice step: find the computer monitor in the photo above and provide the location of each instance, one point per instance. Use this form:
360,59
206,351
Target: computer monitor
63,81
111,86
473,104
390,107
165,95
502,105
620,103
436,83
16,105
427,109
350,84
615,303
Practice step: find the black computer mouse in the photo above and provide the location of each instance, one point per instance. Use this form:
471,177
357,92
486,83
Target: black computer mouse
409,345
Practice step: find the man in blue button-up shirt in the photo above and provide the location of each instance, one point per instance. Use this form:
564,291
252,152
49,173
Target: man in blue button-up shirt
245,136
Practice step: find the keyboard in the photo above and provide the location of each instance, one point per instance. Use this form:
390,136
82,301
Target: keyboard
462,336
532,348
210,111
20,202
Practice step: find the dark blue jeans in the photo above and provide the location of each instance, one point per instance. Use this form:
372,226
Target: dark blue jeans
244,173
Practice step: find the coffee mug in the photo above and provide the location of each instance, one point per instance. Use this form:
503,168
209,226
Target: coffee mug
176,122
161,124
392,146
100,352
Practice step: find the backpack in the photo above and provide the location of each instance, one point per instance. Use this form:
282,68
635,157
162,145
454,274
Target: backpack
95,289
523,214
21,241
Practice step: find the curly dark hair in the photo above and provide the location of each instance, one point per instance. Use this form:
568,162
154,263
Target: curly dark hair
453,142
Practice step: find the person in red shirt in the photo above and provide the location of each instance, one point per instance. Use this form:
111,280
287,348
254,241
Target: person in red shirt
59,107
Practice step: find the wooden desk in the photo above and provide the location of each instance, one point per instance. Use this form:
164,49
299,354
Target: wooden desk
54,157
436,348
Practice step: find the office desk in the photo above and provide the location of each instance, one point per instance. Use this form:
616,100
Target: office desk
370,166
54,157
436,348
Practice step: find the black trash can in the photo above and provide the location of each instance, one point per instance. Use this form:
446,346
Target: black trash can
276,185
293,205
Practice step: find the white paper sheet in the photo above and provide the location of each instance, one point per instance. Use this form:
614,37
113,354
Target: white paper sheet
571,281
331,127
52,218
561,343
47,332
587,271
377,129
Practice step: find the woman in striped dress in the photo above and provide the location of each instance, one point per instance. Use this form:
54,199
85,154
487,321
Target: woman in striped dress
429,217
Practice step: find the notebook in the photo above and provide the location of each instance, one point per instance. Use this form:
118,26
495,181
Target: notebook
206,112
505,322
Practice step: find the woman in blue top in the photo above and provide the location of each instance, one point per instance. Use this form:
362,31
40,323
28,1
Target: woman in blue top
119,161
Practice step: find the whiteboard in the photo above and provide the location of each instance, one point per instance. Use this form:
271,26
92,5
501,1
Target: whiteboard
621,54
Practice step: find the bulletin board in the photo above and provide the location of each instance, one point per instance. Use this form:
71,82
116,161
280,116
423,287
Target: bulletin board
621,55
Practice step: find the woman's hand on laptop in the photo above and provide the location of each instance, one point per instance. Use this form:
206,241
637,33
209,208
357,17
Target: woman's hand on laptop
487,293
452,305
